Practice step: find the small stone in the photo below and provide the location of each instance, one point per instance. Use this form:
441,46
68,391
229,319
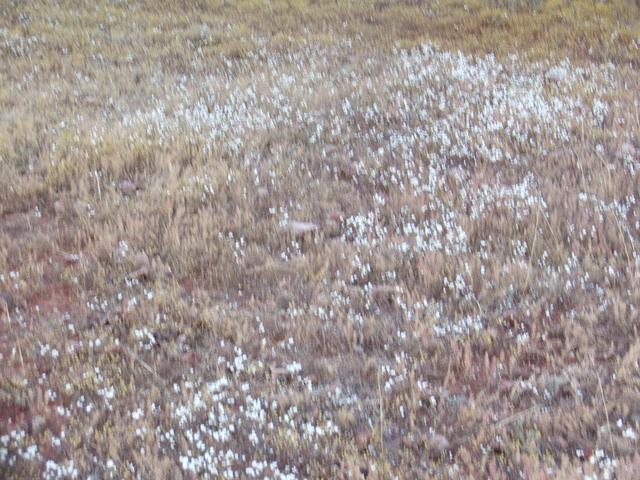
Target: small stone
263,192
300,229
556,74
141,265
127,187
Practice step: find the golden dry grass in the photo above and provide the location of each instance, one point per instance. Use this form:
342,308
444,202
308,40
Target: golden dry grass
319,239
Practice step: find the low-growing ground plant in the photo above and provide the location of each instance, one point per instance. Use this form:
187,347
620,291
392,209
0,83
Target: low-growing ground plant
319,239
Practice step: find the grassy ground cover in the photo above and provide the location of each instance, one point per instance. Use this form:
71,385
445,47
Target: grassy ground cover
319,239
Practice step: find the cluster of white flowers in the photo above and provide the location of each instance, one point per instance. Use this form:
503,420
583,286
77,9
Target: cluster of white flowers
218,410
437,145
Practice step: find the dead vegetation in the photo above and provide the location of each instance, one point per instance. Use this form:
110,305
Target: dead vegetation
260,239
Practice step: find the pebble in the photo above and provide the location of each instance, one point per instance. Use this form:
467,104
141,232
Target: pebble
141,265
127,187
300,229
556,74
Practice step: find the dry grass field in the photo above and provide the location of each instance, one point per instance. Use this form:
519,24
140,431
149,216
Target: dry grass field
320,239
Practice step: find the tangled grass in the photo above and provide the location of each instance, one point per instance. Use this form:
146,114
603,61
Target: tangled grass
319,240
